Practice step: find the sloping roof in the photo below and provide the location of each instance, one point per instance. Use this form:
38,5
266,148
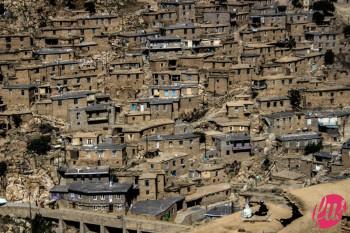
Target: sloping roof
172,137
155,207
299,136
91,188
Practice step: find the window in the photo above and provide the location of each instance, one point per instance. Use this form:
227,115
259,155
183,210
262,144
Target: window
59,103
181,142
75,101
22,92
89,141
174,162
166,93
102,197
146,183
147,192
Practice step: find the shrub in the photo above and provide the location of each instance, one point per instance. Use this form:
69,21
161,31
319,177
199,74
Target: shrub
295,99
329,57
39,145
312,148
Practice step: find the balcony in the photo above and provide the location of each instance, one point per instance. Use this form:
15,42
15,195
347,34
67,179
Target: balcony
97,119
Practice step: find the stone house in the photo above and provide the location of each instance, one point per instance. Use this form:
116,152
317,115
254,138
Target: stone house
54,54
208,173
186,142
239,109
15,42
226,125
328,97
297,142
102,154
182,30
127,78
18,95
174,164
284,122
161,209
68,100
89,196
272,84
161,17
273,104
264,34
92,117
86,32
151,186
209,194
268,20
185,9
233,146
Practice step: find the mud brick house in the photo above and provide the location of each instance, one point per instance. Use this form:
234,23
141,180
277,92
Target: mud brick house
324,40
134,39
273,104
161,17
194,61
217,63
227,125
264,34
77,82
159,63
123,78
221,82
133,133
54,54
334,125
284,122
102,154
85,138
209,194
173,164
18,95
182,30
181,187
297,142
69,100
239,109
187,142
217,17
15,42
233,146
43,72
169,77
185,9
92,117
268,20
151,186
86,32
330,97
265,52
271,84
208,173
162,209
107,23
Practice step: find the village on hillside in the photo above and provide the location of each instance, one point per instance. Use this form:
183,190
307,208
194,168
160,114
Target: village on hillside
178,114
